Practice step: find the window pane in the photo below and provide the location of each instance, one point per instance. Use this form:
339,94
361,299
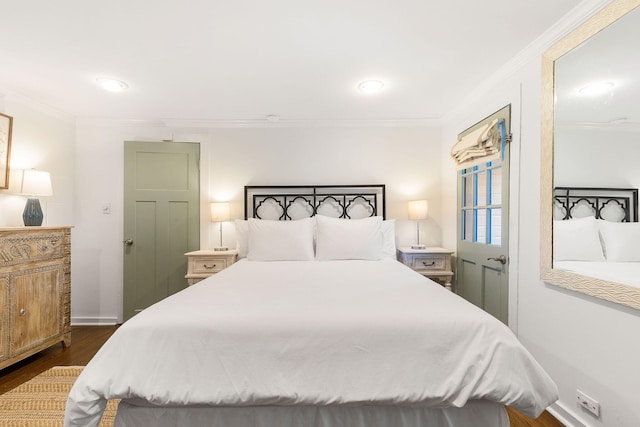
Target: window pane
467,183
467,224
496,227
496,186
481,226
482,189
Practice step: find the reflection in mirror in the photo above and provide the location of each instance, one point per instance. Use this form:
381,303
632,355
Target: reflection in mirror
591,135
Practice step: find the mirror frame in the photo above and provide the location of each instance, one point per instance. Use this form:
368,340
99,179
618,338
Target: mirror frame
611,291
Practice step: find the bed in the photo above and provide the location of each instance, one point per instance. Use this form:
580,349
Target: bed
596,233
316,325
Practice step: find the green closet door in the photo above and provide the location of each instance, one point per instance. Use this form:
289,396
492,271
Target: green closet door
161,219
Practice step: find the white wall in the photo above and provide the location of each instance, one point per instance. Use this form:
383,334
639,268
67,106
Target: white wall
597,156
42,139
583,342
407,160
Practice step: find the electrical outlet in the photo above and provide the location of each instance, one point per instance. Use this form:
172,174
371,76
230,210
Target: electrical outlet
588,403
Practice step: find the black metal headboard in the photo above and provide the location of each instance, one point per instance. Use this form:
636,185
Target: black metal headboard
615,204
299,201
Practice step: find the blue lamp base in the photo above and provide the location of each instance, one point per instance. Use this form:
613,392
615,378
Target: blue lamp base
32,215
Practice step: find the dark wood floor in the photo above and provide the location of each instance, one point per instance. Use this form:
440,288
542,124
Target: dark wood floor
86,340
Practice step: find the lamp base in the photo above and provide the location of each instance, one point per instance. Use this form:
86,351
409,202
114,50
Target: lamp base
418,246
220,249
32,215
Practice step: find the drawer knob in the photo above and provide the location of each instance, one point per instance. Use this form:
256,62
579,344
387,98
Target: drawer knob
209,267
431,264
22,312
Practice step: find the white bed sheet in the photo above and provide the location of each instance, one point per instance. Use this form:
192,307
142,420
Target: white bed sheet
619,272
311,334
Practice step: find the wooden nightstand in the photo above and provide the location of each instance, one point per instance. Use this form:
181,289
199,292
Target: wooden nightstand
203,263
432,262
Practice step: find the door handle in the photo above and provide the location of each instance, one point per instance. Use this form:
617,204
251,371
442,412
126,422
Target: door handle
128,242
501,259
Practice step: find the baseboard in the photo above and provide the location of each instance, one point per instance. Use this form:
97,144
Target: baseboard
564,416
93,321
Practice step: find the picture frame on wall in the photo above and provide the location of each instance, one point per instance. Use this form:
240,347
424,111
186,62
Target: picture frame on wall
6,124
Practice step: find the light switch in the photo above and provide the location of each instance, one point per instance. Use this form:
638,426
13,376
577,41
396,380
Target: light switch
106,208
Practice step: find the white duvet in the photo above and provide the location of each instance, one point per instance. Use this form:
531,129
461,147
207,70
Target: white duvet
311,333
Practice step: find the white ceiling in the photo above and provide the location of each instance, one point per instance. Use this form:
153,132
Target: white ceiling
246,59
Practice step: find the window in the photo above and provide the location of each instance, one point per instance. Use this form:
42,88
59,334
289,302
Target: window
482,204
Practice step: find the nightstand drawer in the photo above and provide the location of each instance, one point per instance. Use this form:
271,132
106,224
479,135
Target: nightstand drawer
204,265
428,263
432,262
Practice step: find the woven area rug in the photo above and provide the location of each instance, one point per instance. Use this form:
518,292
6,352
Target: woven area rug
40,402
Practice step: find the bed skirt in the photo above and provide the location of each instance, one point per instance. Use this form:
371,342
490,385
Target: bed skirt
476,413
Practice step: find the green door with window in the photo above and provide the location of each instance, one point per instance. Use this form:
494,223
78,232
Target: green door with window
483,230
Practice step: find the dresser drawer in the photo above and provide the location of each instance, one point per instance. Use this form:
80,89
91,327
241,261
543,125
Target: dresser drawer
31,246
428,263
211,264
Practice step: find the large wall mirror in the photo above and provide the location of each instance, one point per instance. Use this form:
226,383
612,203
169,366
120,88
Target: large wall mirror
590,234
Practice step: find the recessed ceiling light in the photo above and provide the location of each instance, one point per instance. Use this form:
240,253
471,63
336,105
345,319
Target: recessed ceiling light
595,89
371,86
112,85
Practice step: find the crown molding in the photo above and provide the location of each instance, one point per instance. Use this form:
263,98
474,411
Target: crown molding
553,34
204,124
42,107
113,122
300,123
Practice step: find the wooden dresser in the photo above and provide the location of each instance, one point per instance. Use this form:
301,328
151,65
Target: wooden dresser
35,290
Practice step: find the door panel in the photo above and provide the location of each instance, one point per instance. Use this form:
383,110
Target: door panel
493,292
174,168
162,216
483,224
178,233
143,284
467,278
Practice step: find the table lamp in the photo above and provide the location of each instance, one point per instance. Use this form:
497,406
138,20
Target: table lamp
220,213
34,183
418,211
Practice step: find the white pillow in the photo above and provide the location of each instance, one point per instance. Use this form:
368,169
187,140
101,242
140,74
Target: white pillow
242,237
280,240
389,239
577,240
621,240
339,239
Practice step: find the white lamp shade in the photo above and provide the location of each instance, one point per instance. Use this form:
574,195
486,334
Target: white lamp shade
36,183
418,209
219,212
